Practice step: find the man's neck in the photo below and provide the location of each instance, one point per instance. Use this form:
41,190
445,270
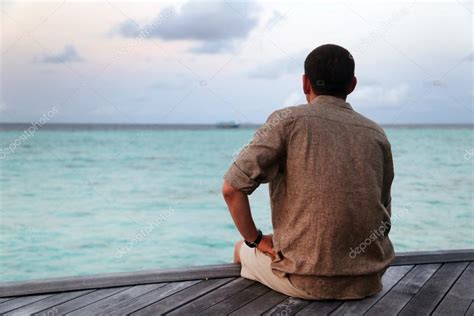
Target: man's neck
310,98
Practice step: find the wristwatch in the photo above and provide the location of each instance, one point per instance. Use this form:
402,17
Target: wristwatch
254,244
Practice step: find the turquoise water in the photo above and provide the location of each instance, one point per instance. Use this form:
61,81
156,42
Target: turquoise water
96,201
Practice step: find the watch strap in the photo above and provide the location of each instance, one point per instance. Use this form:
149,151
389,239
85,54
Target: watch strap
254,244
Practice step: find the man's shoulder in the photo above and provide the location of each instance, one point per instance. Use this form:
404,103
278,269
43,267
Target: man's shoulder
370,124
290,112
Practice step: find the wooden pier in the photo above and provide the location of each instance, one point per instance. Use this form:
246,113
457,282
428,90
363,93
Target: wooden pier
417,283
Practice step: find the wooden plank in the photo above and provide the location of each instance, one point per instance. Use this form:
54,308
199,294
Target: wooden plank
461,295
161,306
118,279
261,304
434,290
19,302
128,306
394,301
470,311
193,273
4,299
389,279
319,308
213,297
46,303
81,301
104,304
289,306
237,300
439,256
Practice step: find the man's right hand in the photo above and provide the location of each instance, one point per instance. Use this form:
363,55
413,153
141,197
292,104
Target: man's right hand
266,246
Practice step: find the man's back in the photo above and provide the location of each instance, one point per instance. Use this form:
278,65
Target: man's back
330,171
329,194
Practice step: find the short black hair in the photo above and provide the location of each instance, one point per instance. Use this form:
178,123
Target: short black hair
330,69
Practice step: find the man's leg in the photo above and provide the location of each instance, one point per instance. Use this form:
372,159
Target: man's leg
257,266
237,247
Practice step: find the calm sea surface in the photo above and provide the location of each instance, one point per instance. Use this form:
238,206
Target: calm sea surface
85,201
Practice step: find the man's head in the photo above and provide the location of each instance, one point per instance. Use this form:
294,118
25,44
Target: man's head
329,70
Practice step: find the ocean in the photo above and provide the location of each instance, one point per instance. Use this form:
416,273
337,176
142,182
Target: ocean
88,199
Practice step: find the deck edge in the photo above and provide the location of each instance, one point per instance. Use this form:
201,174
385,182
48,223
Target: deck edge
438,256
99,281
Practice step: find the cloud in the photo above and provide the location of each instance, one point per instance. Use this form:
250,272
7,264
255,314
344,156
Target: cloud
127,28
276,18
291,64
213,47
376,95
214,26
68,55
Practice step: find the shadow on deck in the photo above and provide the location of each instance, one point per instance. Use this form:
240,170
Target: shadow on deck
417,283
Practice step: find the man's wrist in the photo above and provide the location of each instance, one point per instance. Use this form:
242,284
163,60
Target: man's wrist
254,243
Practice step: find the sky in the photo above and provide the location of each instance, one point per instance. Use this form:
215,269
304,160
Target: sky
164,62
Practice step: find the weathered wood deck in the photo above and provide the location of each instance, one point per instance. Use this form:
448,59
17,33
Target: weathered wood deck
417,283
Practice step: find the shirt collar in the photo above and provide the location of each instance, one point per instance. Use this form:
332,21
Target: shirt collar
332,101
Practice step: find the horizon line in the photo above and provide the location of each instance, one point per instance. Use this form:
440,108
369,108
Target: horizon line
246,124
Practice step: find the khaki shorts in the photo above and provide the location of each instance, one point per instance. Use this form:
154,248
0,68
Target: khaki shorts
256,266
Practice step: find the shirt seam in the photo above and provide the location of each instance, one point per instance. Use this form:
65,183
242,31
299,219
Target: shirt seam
351,124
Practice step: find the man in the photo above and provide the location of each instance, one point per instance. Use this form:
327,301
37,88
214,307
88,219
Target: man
330,172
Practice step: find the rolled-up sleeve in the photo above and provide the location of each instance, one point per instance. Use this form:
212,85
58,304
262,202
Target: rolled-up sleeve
258,162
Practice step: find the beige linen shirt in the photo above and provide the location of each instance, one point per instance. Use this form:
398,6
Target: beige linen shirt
329,171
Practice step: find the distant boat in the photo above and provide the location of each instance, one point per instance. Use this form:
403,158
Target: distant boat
230,124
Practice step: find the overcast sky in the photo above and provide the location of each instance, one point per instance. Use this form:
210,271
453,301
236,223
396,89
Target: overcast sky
205,62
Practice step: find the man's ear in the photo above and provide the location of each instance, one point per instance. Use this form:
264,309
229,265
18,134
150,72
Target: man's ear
306,85
352,85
